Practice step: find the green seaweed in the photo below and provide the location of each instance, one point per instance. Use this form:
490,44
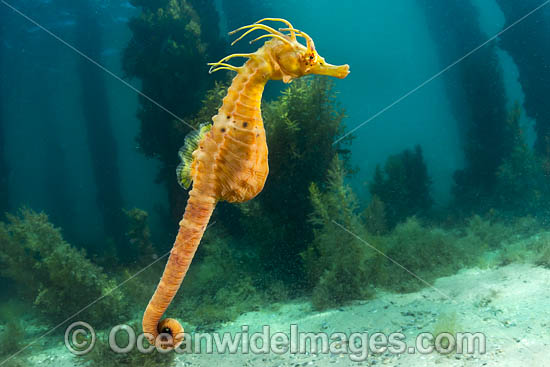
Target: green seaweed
494,233
103,355
375,217
12,338
428,253
523,187
56,277
403,186
336,262
543,254
301,127
489,234
518,252
533,250
138,236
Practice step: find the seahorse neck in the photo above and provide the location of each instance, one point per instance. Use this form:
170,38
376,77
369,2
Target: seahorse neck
243,100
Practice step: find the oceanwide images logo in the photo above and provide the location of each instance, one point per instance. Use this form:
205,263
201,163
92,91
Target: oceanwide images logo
80,339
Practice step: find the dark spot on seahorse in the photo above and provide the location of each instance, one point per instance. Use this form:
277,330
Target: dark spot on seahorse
223,129
245,124
257,135
228,117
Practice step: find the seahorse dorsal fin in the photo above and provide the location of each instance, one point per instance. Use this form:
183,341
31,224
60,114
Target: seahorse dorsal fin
185,153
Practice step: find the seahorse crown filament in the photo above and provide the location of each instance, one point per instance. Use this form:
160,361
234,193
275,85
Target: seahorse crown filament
230,160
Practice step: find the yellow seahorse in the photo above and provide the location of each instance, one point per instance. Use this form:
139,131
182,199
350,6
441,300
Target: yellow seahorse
230,159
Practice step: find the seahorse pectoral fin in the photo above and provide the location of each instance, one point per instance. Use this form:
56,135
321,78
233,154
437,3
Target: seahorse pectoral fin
184,170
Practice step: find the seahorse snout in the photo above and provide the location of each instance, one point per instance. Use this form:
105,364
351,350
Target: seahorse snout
337,71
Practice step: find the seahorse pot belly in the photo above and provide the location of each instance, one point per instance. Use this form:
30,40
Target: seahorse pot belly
228,159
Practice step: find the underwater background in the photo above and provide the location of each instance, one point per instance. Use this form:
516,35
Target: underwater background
431,160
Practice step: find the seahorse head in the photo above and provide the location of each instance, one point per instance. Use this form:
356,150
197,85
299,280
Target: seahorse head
296,60
284,56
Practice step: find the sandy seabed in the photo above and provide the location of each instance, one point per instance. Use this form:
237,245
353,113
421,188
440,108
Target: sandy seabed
510,305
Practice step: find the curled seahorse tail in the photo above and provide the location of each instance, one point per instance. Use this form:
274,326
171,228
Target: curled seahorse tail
192,226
